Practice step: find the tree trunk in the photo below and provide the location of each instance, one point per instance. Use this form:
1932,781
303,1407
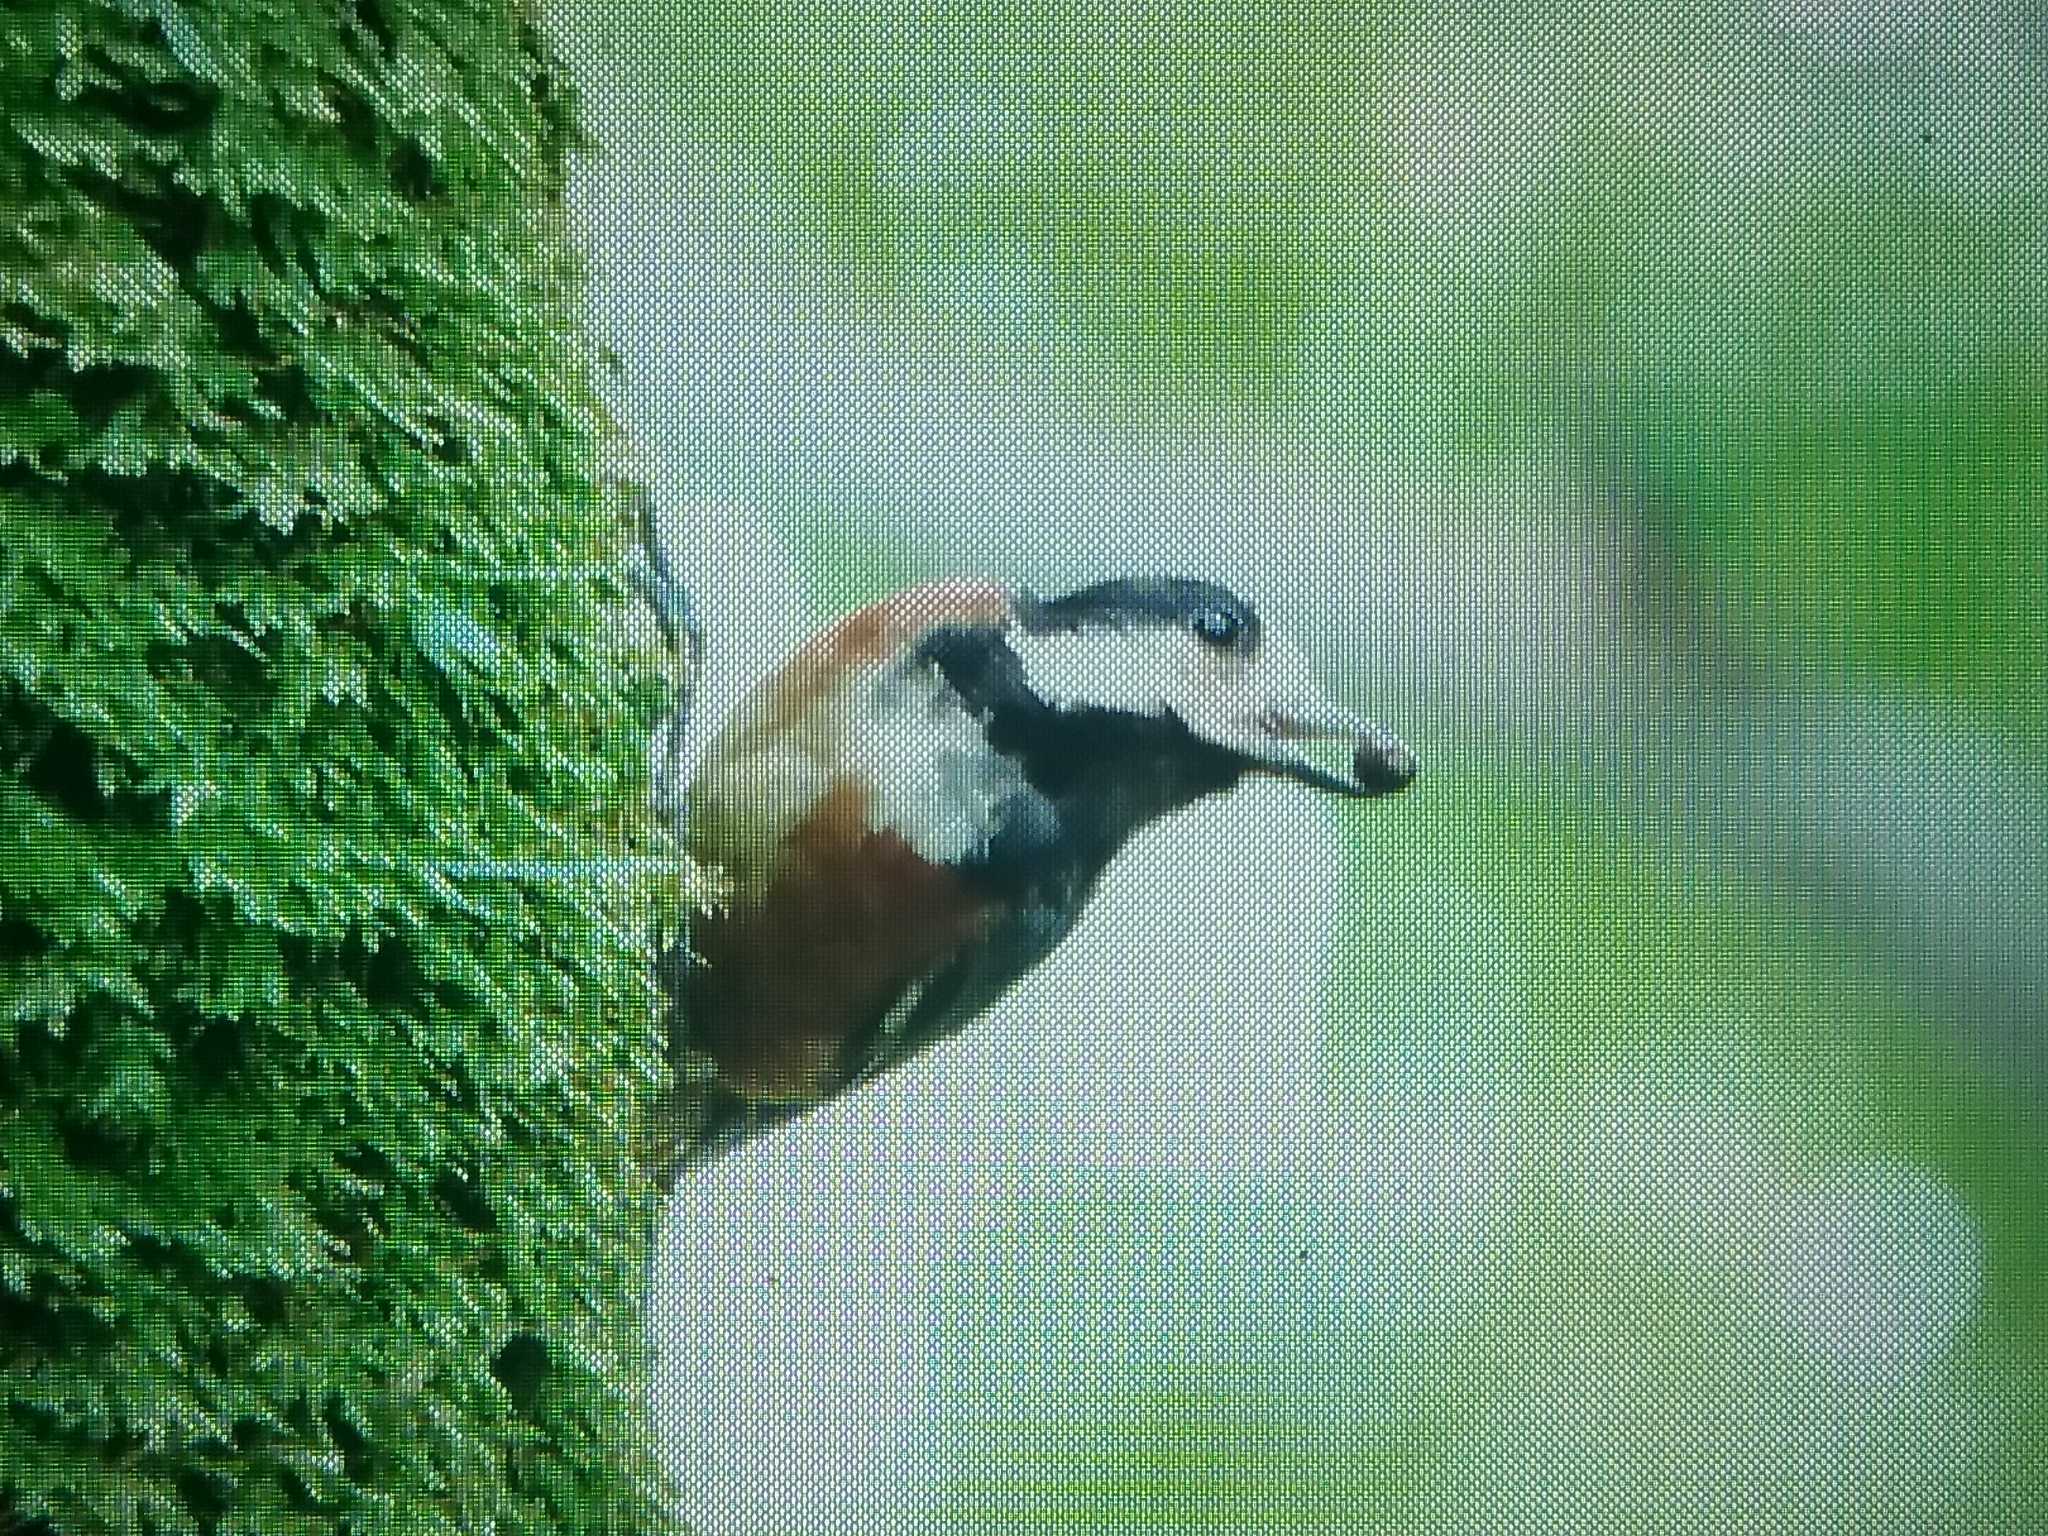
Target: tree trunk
317,1206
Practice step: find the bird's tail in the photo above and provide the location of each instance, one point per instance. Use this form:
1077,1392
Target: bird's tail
695,1118
667,598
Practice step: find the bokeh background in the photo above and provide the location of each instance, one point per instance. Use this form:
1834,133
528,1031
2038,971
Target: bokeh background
1639,1124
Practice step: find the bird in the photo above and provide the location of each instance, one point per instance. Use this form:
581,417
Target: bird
913,810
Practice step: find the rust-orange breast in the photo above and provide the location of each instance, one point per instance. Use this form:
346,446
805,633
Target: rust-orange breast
837,910
847,922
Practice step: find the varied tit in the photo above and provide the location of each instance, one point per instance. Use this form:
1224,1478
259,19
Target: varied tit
914,809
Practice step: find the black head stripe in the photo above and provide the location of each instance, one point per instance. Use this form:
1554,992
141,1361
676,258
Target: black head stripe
979,664
1216,613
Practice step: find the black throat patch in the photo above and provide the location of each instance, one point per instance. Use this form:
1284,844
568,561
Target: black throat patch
1105,772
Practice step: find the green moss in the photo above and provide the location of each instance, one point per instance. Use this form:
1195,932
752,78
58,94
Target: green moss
316,1208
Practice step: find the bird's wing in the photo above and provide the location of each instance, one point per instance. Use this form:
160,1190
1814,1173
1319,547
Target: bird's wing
961,989
700,1118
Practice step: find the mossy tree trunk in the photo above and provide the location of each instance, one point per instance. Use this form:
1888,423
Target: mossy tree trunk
317,1210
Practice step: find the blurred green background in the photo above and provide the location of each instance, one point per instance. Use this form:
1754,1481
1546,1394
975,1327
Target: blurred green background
1682,1046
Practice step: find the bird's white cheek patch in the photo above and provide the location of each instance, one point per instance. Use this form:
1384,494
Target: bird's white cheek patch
935,780
1147,671
1138,671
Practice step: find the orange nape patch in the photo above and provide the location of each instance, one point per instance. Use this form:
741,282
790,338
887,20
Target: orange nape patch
872,635
849,919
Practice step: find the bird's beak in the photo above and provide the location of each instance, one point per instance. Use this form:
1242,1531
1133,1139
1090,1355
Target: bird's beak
1270,711
1380,764
1273,710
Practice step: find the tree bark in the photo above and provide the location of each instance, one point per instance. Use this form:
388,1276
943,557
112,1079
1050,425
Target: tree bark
317,1203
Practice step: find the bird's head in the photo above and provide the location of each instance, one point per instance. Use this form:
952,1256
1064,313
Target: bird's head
1193,656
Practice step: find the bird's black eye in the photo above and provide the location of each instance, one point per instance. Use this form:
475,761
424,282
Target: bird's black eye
1218,626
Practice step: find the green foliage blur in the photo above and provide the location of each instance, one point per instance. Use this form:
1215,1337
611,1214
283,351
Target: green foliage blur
1780,282
316,1205
1738,1218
